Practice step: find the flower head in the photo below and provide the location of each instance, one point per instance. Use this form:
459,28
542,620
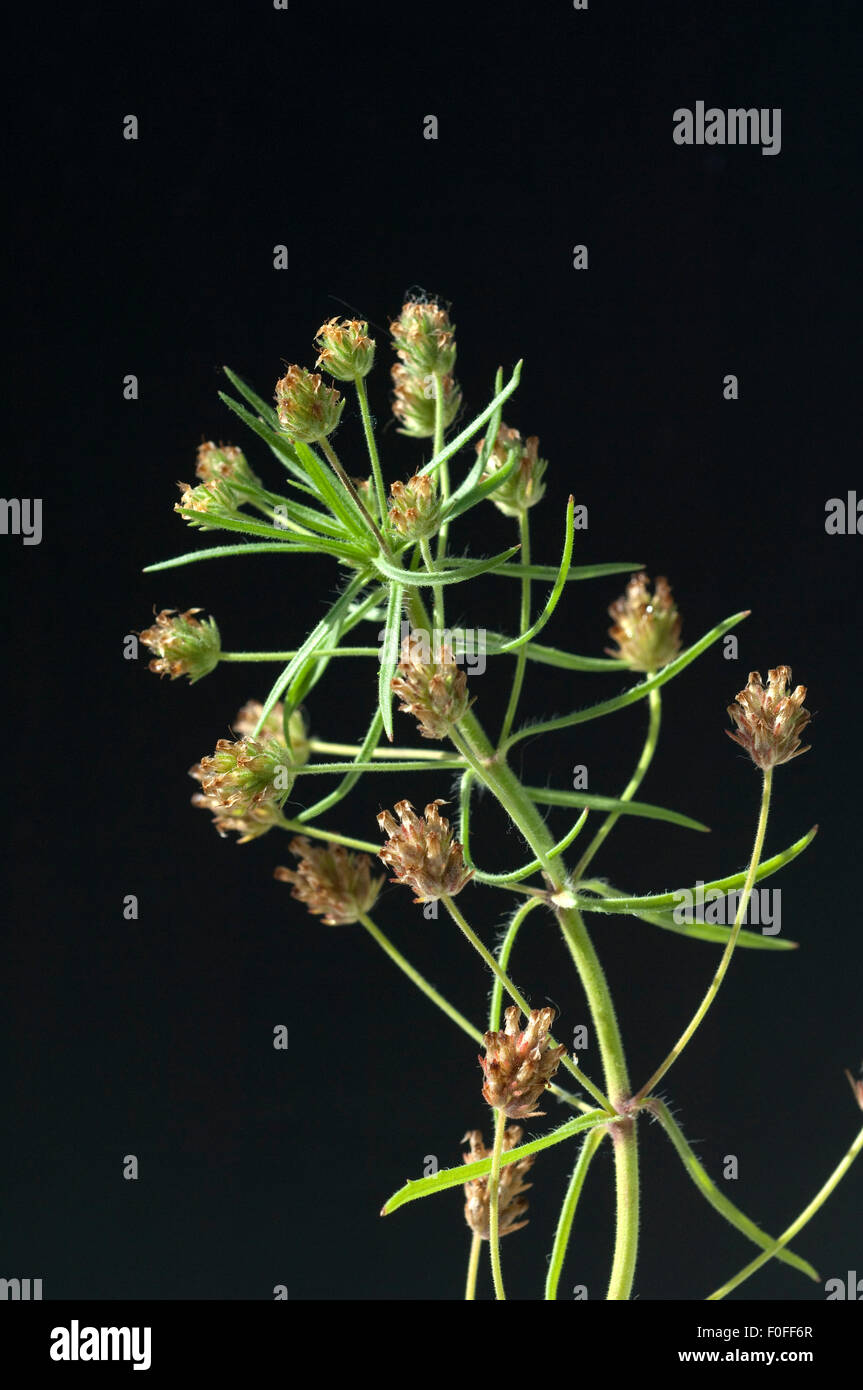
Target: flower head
415,507
770,721
346,350
430,686
248,824
424,338
213,499
646,626
307,409
512,1204
424,854
247,774
333,883
524,486
519,1065
414,401
226,462
184,645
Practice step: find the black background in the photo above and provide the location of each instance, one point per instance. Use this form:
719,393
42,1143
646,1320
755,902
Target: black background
155,257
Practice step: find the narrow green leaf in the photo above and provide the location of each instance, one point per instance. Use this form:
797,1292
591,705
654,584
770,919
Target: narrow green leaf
369,744
488,443
390,657
319,547
637,692
454,1177
699,931
554,596
658,901
267,412
465,498
717,1198
426,579
245,525
517,571
476,425
316,638
547,796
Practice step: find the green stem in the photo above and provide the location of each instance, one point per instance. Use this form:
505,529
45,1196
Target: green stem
492,769
287,656
318,745
717,1199
303,828
524,624
503,956
518,997
443,479
419,980
360,384
626,1183
655,704
336,465
724,963
796,1226
494,1205
591,1143
472,1267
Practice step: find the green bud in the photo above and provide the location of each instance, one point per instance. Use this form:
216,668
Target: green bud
307,409
346,350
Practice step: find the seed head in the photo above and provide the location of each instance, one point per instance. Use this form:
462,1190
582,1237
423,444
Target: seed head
249,773
307,409
524,486
512,1204
333,883
430,686
249,825
424,338
214,500
646,626
415,507
519,1065
423,854
770,721
414,401
184,645
346,350
226,462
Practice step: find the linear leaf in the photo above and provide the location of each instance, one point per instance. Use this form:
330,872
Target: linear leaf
342,552
547,796
517,571
454,1177
637,692
267,412
554,596
658,901
436,578
390,657
476,424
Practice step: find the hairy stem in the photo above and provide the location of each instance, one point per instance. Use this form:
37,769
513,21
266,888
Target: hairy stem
419,980
592,1141
494,1205
524,624
724,963
472,1267
655,718
371,442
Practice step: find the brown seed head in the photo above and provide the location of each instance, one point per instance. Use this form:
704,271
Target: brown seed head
184,645
512,1204
646,626
333,883
423,854
249,825
770,721
430,686
519,1065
